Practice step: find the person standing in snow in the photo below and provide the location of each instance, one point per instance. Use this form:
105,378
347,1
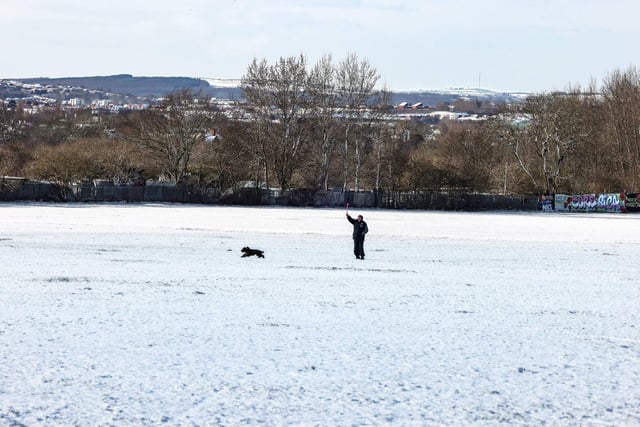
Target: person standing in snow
359,230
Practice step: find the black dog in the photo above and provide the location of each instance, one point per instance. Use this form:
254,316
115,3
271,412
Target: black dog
247,251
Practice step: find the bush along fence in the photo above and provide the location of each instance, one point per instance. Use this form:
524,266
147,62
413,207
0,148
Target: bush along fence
16,189
593,202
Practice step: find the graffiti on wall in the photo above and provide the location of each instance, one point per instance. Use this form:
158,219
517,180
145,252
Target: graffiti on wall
545,203
632,202
611,202
605,202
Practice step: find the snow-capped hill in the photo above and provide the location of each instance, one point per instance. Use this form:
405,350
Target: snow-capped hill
100,87
426,96
223,83
468,92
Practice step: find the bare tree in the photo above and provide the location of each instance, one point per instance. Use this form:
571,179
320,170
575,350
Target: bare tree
84,160
170,131
356,80
621,94
279,94
377,128
224,160
549,130
470,157
13,133
405,139
12,123
322,87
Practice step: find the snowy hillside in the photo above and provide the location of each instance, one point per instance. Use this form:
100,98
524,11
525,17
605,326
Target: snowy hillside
93,88
430,97
226,83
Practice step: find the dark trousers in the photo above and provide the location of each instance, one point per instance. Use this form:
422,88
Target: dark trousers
358,246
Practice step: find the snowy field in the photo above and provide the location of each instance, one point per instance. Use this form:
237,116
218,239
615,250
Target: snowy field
147,315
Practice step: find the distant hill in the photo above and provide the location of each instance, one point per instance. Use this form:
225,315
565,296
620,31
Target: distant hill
131,86
125,84
432,97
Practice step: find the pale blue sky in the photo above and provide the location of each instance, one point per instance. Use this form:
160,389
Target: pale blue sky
505,45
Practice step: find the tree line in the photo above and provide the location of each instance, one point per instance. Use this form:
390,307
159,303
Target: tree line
329,125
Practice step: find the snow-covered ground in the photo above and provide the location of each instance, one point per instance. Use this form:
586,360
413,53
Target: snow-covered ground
147,315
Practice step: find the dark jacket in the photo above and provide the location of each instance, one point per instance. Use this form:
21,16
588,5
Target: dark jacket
359,228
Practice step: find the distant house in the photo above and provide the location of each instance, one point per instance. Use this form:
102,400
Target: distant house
449,115
406,106
211,135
